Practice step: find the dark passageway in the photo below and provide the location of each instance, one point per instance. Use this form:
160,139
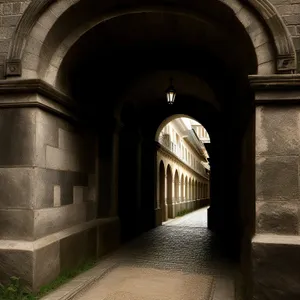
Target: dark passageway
125,93
82,97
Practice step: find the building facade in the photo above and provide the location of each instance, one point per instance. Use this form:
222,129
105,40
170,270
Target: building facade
82,95
183,179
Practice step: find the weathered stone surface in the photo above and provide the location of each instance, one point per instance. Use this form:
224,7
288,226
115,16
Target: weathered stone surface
16,224
91,210
50,220
277,178
277,131
47,179
17,133
46,134
16,263
16,188
56,196
277,217
46,265
276,273
71,259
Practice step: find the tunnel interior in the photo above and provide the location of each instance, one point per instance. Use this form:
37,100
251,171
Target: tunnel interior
119,70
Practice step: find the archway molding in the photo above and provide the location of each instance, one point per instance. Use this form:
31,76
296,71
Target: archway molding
40,17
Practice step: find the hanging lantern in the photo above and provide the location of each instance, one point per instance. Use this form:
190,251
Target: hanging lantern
171,93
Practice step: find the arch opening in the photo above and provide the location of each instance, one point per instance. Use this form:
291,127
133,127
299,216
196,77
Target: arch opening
98,65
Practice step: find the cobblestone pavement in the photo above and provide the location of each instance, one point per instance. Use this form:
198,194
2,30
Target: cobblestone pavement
197,218
182,245
180,260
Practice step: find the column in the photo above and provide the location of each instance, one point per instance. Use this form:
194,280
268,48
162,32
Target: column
108,168
276,243
166,198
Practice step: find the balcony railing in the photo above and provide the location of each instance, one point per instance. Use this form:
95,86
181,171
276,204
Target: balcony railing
167,143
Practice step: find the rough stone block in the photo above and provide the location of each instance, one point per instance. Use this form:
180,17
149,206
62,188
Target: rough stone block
47,221
277,217
16,188
47,179
73,251
57,197
78,194
30,61
46,134
275,262
277,178
245,17
16,263
17,133
16,224
264,53
33,45
39,33
266,68
91,211
68,140
58,159
47,20
46,264
260,39
8,21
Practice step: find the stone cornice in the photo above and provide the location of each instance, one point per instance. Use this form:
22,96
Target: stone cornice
173,157
35,86
276,89
270,82
49,98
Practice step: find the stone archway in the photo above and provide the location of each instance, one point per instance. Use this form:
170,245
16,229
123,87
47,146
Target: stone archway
43,122
40,18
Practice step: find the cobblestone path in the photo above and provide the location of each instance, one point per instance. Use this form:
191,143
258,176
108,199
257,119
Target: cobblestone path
179,260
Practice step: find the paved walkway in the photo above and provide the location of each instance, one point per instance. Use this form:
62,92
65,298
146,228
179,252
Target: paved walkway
179,260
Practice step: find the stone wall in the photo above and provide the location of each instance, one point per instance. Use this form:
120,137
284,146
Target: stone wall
12,10
47,174
10,14
276,242
289,10
199,188
47,195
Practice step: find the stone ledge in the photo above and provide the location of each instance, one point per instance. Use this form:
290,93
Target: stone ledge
46,97
275,81
276,239
65,250
276,89
52,238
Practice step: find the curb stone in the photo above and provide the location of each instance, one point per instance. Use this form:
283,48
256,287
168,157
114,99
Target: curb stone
81,287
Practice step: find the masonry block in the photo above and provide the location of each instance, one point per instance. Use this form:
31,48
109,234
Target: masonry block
275,262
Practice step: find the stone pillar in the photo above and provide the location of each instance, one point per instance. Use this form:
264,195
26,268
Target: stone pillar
47,188
108,168
276,243
166,197
172,209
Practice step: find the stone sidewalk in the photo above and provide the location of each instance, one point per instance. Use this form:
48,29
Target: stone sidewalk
182,254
